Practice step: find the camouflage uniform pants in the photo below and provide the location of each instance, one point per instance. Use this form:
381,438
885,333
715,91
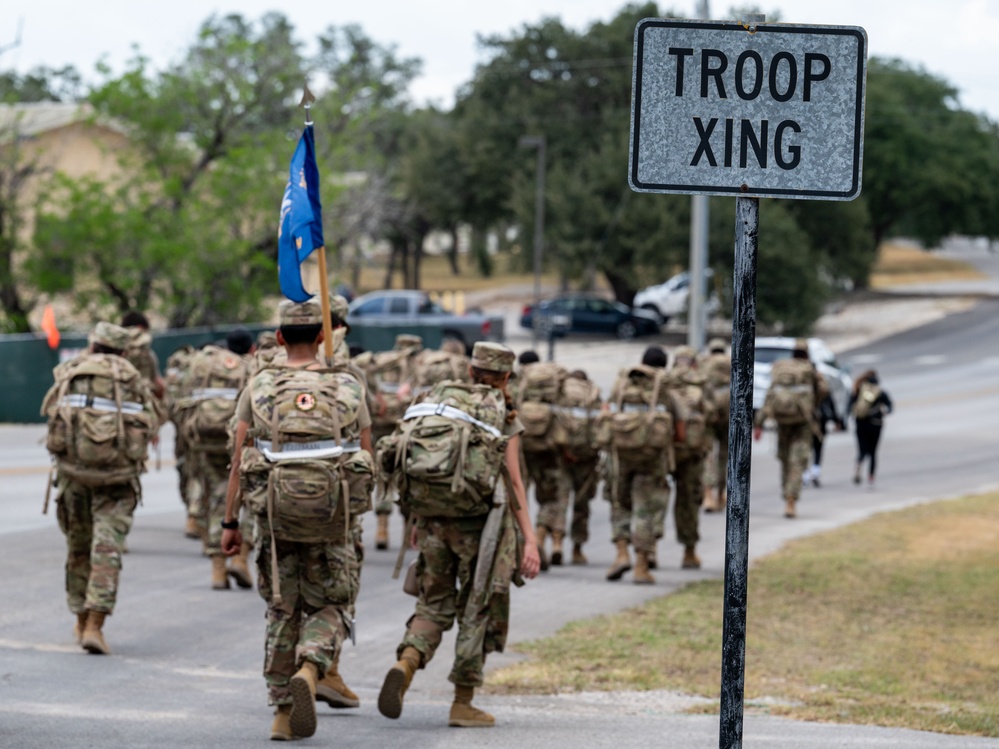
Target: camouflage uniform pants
316,581
197,500
386,501
543,471
689,494
449,549
578,478
794,451
180,456
95,521
639,491
716,462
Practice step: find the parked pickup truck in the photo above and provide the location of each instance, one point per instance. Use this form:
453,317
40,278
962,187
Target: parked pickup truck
376,318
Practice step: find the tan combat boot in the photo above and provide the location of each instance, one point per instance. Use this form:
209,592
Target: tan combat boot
93,639
578,557
789,510
239,568
81,624
556,558
642,576
722,499
622,562
541,533
463,715
709,500
334,692
690,559
281,727
220,578
191,529
303,700
382,532
397,681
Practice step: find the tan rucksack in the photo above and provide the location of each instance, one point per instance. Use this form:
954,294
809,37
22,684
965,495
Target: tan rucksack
791,397
215,376
140,353
638,423
100,419
387,371
433,366
689,387
718,370
867,396
448,450
294,472
574,427
539,388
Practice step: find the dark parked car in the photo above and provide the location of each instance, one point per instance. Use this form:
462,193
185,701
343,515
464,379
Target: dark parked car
580,313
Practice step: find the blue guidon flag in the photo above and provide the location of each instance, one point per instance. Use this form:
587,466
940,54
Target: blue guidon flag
301,227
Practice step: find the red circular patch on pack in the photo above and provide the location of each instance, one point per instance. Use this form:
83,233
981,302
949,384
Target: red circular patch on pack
230,362
305,401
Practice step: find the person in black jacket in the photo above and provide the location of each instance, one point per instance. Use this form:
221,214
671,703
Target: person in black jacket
869,404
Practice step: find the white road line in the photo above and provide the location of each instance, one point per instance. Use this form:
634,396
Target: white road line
865,358
91,712
930,360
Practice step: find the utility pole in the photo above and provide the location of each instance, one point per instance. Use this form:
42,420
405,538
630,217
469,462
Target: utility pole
538,141
696,308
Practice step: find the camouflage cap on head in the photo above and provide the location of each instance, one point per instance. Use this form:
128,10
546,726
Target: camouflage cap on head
407,340
716,345
801,344
266,339
110,335
309,312
494,357
339,306
684,352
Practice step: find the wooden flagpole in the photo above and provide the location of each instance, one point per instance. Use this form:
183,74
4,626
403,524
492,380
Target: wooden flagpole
324,290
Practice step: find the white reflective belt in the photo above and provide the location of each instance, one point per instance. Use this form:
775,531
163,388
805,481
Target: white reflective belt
441,409
636,408
79,400
309,450
202,394
577,411
795,388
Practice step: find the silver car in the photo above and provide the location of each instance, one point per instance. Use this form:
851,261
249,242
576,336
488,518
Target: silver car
837,377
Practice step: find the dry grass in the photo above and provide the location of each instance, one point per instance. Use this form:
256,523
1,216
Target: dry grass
899,265
886,622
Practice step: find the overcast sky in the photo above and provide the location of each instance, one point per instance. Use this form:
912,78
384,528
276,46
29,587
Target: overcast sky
955,40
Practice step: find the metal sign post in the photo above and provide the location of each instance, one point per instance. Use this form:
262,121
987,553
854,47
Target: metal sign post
746,110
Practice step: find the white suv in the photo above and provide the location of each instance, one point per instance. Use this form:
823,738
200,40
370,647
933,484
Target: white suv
769,350
669,299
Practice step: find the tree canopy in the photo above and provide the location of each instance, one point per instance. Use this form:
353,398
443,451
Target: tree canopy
188,226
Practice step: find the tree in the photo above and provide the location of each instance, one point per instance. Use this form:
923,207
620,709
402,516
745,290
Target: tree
188,226
930,168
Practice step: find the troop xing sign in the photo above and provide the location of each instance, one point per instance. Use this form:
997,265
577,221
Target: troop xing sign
726,108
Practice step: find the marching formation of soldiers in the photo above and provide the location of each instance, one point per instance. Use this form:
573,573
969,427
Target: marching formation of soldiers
281,450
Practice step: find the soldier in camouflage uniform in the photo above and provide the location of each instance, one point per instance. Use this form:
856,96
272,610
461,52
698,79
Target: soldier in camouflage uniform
176,371
717,367
309,586
449,554
95,511
640,488
140,352
794,440
691,388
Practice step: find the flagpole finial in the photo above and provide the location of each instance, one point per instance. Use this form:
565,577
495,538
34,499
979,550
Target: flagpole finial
307,98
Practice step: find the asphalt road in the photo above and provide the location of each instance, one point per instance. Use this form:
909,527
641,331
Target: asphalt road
186,663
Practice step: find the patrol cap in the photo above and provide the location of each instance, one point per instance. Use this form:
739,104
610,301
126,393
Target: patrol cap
266,339
309,312
716,345
407,340
339,306
684,352
494,357
110,335
801,344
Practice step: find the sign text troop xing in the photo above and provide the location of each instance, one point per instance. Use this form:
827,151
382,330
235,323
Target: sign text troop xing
724,108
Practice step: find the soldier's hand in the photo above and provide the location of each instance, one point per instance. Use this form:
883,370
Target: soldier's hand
530,565
232,541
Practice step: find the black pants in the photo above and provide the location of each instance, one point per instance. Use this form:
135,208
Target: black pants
868,435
